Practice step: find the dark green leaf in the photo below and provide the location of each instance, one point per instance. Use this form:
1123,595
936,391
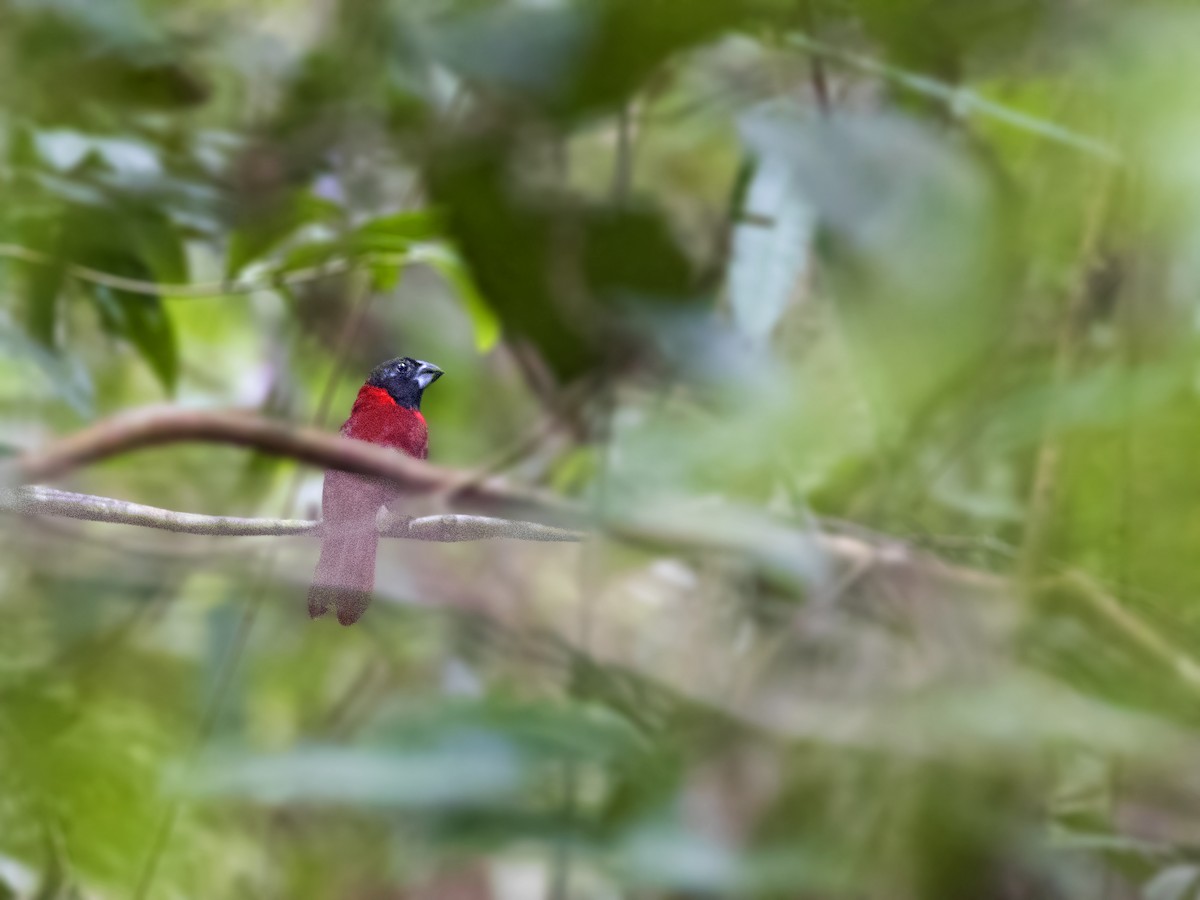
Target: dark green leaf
559,273
143,321
577,59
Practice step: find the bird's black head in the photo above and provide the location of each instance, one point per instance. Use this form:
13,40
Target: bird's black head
405,379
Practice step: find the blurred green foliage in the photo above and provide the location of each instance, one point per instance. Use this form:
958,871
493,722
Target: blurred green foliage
736,272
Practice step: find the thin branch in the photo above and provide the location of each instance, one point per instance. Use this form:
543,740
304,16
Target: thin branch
37,500
335,266
1039,515
453,528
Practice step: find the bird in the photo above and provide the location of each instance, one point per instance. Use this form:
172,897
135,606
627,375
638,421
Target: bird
387,411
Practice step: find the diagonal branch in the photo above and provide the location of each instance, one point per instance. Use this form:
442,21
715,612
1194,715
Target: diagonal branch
961,101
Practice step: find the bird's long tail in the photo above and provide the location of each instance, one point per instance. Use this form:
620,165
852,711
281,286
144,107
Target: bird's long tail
345,575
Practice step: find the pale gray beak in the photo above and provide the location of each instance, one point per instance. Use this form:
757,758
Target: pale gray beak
427,373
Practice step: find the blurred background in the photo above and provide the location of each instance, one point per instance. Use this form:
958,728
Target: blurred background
865,329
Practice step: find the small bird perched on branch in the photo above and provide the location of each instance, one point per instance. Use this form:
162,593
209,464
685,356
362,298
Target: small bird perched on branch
387,411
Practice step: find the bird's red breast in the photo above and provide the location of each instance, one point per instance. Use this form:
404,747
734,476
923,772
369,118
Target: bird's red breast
378,419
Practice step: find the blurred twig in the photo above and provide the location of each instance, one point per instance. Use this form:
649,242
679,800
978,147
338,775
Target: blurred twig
622,179
198,289
1139,632
820,83
960,101
1040,513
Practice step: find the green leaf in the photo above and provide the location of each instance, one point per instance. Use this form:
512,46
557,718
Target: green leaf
397,232
76,59
385,276
393,235
43,283
308,255
40,283
631,254
132,240
159,246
